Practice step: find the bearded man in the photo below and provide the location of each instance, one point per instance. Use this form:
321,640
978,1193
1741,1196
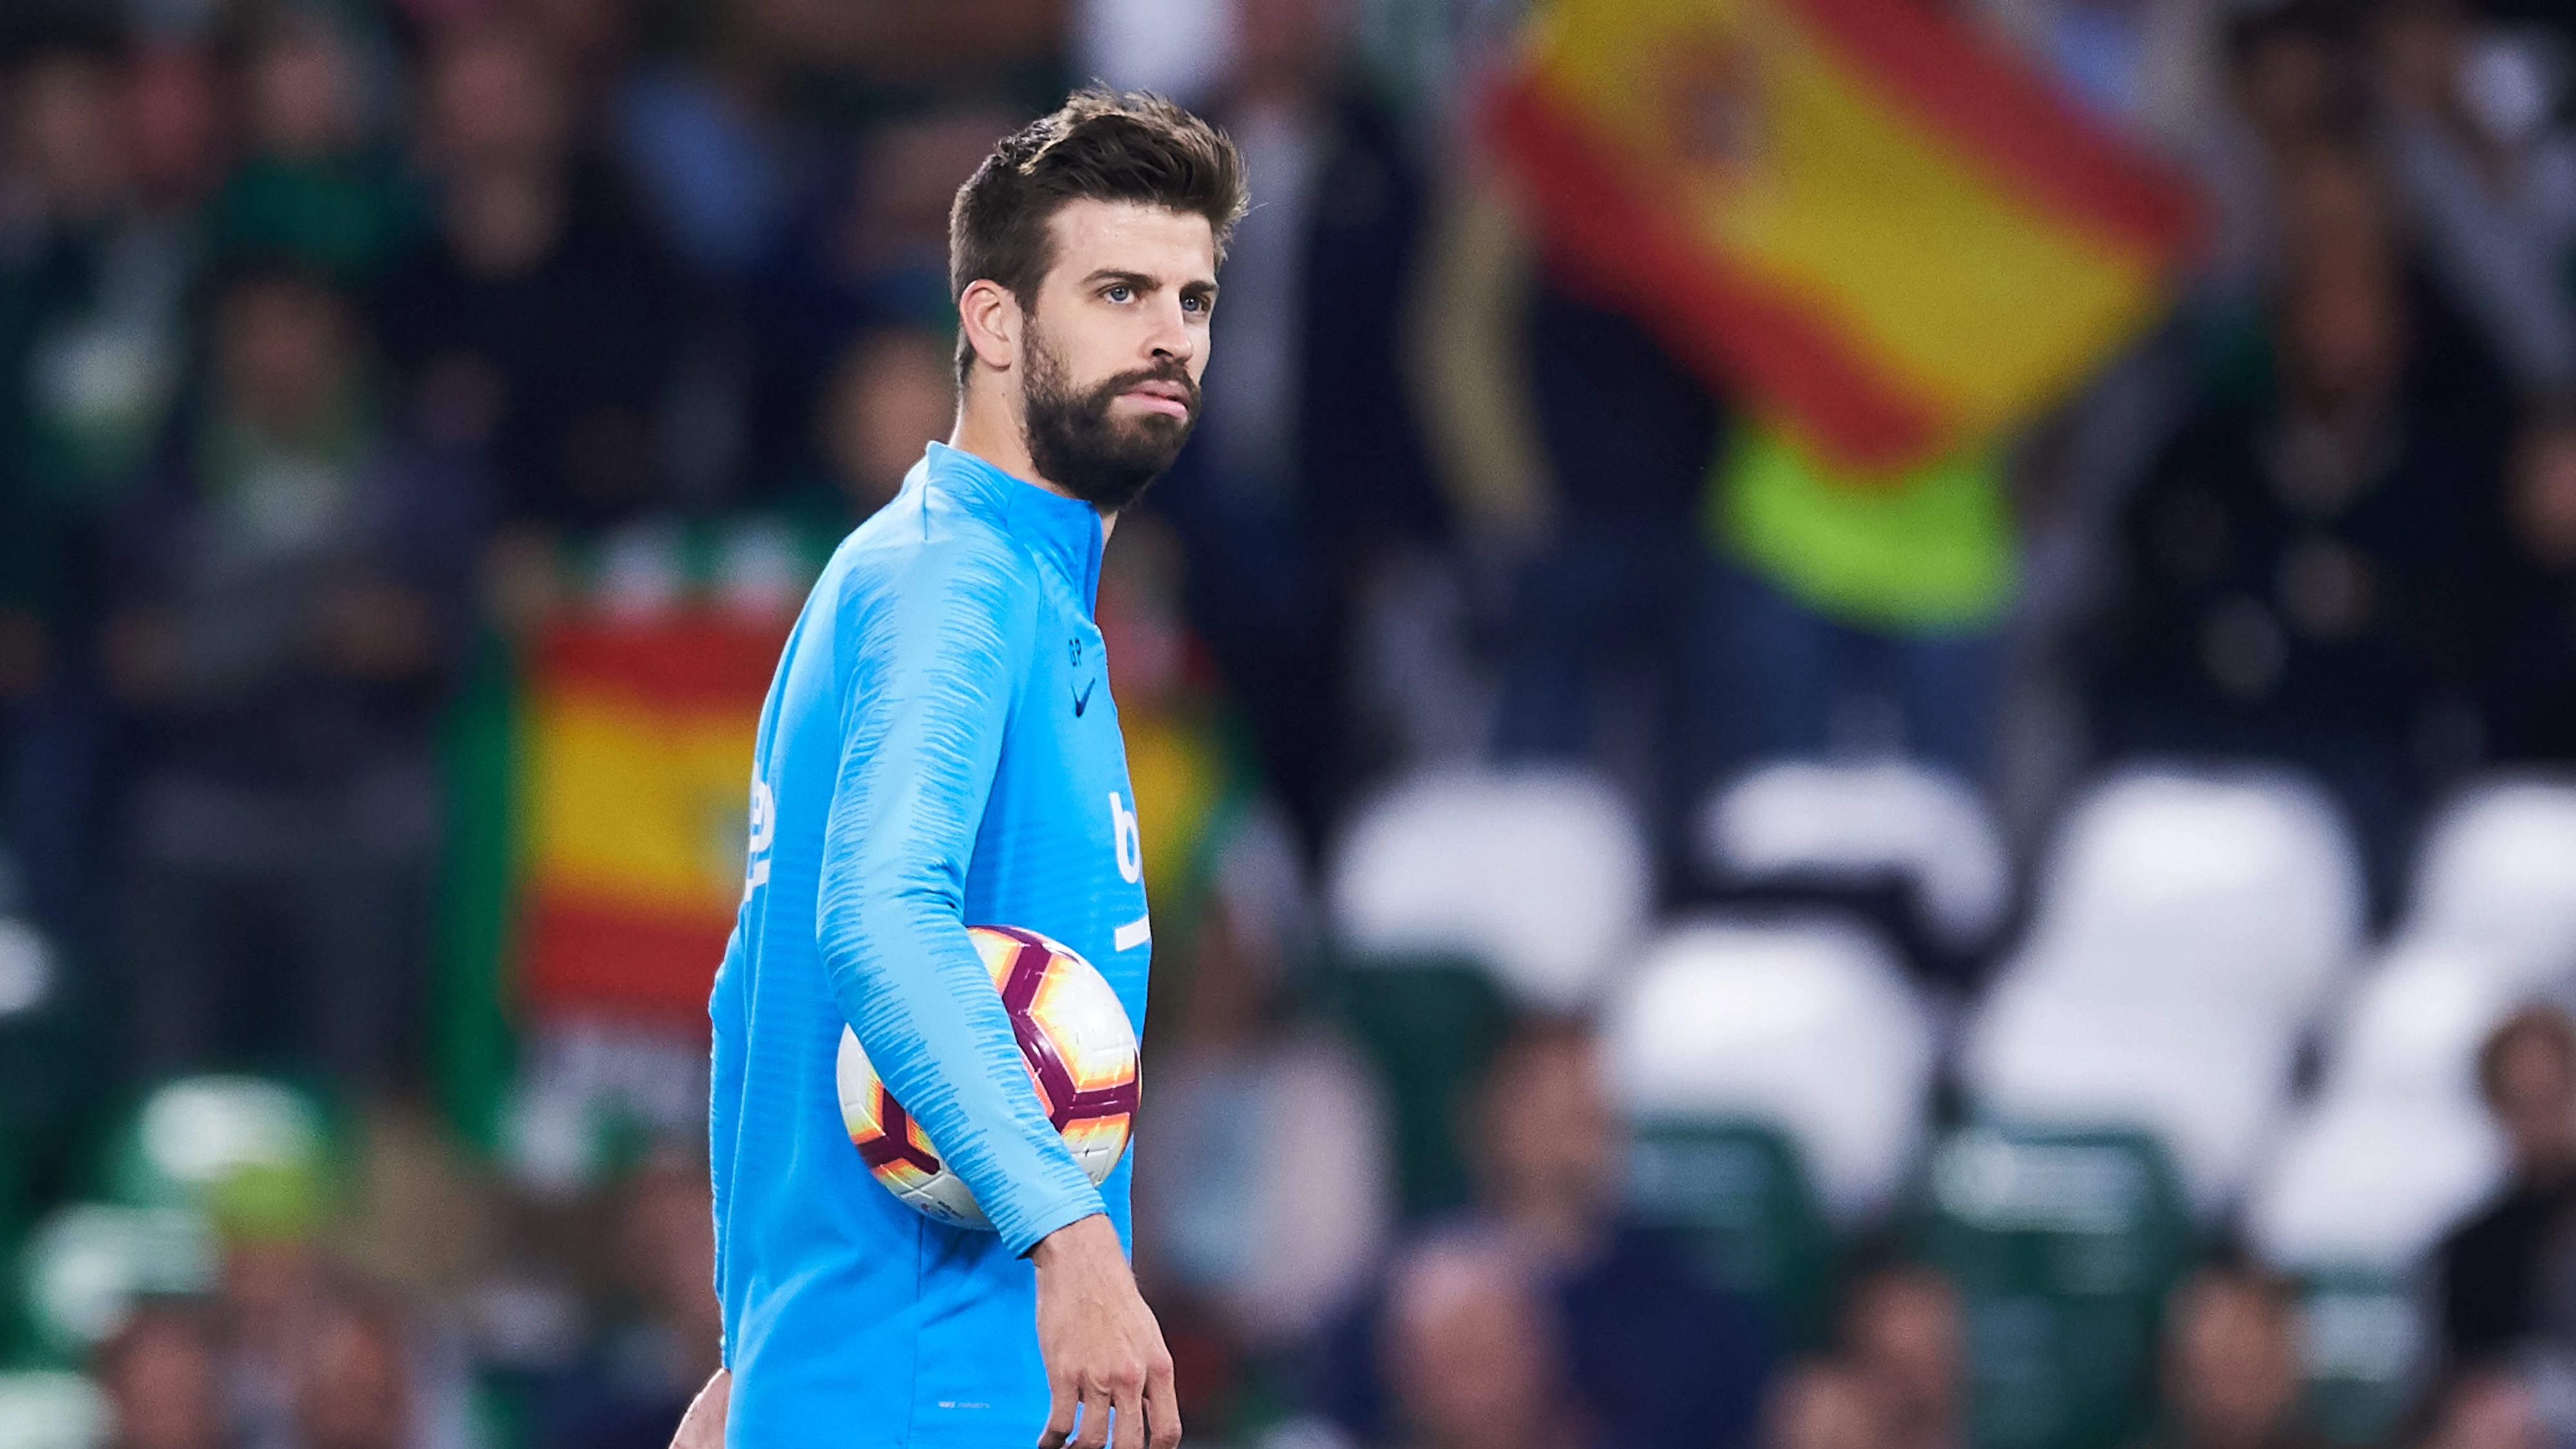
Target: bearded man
939,748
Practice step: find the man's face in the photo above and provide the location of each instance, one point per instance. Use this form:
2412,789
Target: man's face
2535,1083
2234,1365
1114,346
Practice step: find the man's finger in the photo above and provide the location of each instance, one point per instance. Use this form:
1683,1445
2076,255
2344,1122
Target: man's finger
1162,1408
1094,1433
1131,1414
1059,1424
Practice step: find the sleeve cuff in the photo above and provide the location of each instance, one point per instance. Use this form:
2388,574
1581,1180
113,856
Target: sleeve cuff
1022,1230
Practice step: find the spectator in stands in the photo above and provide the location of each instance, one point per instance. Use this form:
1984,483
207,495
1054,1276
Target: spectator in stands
1658,1356
653,1364
158,1375
2291,560
114,159
2487,178
1305,502
1902,1330
541,320
2521,639
315,182
2491,1264
703,136
353,1388
2231,1369
1825,1404
1262,1191
2488,1409
291,599
1472,1355
894,390
2294,84
1662,1357
1859,611
1616,582
866,249
273,1291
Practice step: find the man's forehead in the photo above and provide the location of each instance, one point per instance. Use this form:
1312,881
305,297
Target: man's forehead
1178,247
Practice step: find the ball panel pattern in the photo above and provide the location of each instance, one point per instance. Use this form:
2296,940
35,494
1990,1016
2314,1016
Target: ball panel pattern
1077,1043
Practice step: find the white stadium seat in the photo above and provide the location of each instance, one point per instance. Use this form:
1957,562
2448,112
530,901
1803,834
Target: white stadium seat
1804,1025
2191,922
2412,1027
2238,887
52,1409
2210,1086
26,969
2498,872
1542,876
1857,824
2398,1145
2371,1182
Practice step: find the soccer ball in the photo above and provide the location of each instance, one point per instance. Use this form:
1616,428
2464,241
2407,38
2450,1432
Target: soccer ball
1081,1054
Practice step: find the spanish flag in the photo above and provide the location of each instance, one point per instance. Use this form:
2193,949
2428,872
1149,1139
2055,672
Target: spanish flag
634,787
1882,234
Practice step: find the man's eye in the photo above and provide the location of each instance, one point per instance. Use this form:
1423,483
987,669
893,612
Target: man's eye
1194,304
1119,293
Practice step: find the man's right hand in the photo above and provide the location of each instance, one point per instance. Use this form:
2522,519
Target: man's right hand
1103,1350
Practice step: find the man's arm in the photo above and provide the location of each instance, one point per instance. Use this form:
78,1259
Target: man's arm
935,663
1104,1352
703,1427
932,661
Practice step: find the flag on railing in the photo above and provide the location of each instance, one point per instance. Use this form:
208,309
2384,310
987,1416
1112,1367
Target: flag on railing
1881,233
635,778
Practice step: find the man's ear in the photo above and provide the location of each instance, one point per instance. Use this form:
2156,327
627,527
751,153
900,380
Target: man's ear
990,316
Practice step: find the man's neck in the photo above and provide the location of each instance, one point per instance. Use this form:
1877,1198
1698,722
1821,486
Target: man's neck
994,433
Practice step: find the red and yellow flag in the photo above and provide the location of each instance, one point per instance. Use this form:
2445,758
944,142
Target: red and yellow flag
1881,233
635,780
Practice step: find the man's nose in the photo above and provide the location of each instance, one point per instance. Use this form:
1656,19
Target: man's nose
1171,337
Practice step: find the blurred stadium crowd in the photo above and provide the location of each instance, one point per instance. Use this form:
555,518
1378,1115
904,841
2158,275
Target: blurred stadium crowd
1659,943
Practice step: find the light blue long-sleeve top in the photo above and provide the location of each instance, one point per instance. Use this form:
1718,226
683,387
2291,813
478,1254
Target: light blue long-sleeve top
938,750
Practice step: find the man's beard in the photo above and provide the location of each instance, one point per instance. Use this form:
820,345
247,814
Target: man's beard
1075,443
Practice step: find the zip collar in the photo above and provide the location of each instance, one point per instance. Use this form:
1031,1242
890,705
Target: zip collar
1065,533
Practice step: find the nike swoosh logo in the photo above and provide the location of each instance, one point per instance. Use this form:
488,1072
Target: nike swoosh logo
1082,701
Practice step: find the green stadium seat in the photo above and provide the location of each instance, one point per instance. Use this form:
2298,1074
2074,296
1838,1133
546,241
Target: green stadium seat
51,1070
1429,1027
2063,1245
253,1149
86,1263
2364,1348
50,1409
1737,1194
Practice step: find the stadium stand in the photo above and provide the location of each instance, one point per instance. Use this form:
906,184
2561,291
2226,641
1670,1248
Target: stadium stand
1923,829
1540,876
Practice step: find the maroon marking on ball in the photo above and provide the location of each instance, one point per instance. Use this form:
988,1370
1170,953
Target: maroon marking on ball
1065,1103
896,1144
1027,974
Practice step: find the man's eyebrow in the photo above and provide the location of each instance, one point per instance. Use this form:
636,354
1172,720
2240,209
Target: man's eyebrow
1143,283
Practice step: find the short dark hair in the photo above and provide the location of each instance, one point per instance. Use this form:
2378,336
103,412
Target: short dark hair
1103,147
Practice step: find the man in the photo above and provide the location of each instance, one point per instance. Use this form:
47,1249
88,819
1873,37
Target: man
1660,1357
939,749
1903,1329
2231,1366
2495,1267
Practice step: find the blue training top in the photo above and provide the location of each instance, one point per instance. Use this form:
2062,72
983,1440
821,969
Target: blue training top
939,749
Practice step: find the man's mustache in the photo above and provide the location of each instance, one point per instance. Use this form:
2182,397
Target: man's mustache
1175,373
